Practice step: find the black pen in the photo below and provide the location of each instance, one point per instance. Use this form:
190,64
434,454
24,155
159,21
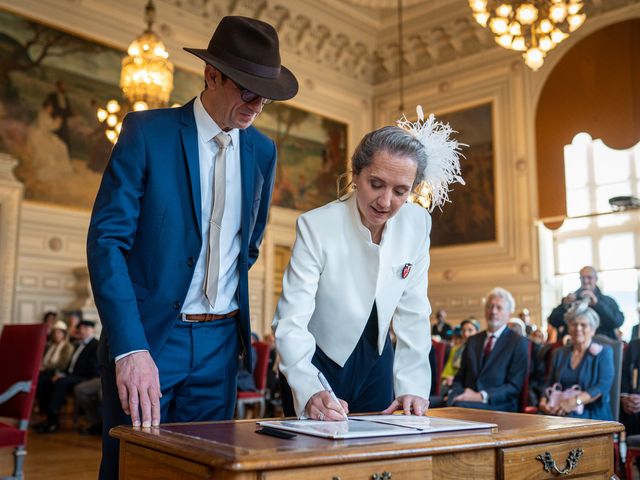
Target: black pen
273,432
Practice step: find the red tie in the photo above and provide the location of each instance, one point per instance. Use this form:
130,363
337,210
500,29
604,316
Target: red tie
488,346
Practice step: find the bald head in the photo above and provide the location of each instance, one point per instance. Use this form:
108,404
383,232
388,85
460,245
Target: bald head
588,278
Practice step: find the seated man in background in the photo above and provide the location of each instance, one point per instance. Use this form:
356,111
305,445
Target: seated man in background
89,397
630,395
441,328
494,362
606,307
83,366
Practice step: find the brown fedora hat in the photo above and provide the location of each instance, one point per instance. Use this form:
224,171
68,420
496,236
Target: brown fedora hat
247,51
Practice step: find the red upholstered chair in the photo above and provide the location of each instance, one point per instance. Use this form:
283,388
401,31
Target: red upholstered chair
21,350
256,396
523,401
440,348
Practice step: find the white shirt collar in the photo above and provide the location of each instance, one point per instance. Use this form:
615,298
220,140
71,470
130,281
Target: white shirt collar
207,127
497,333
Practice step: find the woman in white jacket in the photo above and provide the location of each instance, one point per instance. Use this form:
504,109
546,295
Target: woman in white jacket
358,264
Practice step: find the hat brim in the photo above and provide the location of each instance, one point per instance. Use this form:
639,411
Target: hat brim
283,87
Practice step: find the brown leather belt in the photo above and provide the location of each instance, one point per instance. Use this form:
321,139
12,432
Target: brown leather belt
206,317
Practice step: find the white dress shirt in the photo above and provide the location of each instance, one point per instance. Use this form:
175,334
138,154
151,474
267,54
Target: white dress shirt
228,276
495,335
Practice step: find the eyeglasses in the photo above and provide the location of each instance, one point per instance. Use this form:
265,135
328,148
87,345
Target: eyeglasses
248,96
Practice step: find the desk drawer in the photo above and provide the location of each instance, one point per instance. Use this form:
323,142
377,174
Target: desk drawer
409,469
596,461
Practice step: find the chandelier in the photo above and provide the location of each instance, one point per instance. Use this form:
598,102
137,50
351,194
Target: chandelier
146,78
531,26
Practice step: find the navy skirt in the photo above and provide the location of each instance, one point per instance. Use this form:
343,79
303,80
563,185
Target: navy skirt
366,380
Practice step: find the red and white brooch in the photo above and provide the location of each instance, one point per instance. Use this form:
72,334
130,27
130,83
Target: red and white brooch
405,270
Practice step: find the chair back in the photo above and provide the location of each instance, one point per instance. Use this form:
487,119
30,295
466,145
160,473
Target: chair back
262,365
440,349
618,349
21,350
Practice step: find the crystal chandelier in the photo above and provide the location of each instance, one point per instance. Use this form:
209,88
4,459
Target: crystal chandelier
530,26
146,78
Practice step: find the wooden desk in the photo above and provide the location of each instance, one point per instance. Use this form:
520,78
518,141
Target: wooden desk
233,451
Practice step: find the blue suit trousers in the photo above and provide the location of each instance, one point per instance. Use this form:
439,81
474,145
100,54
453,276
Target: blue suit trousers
198,373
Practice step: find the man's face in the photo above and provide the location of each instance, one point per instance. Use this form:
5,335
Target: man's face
85,331
222,100
441,316
496,313
588,279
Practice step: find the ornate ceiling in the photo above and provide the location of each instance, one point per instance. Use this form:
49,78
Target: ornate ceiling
361,40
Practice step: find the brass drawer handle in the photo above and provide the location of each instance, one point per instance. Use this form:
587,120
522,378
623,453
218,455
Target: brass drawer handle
382,476
550,463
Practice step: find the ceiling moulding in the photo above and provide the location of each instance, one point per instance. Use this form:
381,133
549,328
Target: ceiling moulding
350,54
439,38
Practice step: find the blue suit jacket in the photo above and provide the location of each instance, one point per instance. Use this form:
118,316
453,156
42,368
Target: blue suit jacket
595,376
145,233
501,376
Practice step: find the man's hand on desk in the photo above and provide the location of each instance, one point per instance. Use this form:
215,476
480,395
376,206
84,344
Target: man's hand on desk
408,404
322,407
139,388
469,395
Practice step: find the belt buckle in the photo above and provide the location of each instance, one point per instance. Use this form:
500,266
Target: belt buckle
183,317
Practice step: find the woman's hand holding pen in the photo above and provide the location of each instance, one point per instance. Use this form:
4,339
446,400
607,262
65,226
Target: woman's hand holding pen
408,404
322,406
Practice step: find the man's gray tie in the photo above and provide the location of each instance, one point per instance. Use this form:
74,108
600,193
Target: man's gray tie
215,224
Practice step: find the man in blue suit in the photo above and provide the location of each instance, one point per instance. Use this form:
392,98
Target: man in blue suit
494,362
176,225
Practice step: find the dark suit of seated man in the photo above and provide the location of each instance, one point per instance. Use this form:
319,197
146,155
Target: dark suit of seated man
83,366
494,362
630,394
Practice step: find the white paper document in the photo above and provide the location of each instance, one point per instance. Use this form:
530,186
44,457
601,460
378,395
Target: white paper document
376,426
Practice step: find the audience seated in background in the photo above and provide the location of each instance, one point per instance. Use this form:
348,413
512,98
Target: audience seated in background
525,316
584,363
58,351
467,329
49,318
441,328
606,307
517,326
537,337
73,319
83,366
494,362
89,401
630,394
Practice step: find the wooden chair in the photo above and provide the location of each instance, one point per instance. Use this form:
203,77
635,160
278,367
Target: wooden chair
257,396
21,350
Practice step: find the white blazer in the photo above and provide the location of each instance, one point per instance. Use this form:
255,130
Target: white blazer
335,274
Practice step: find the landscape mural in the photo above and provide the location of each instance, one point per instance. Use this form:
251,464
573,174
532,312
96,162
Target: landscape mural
52,82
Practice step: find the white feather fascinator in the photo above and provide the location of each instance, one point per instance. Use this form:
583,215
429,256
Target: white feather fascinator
443,159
